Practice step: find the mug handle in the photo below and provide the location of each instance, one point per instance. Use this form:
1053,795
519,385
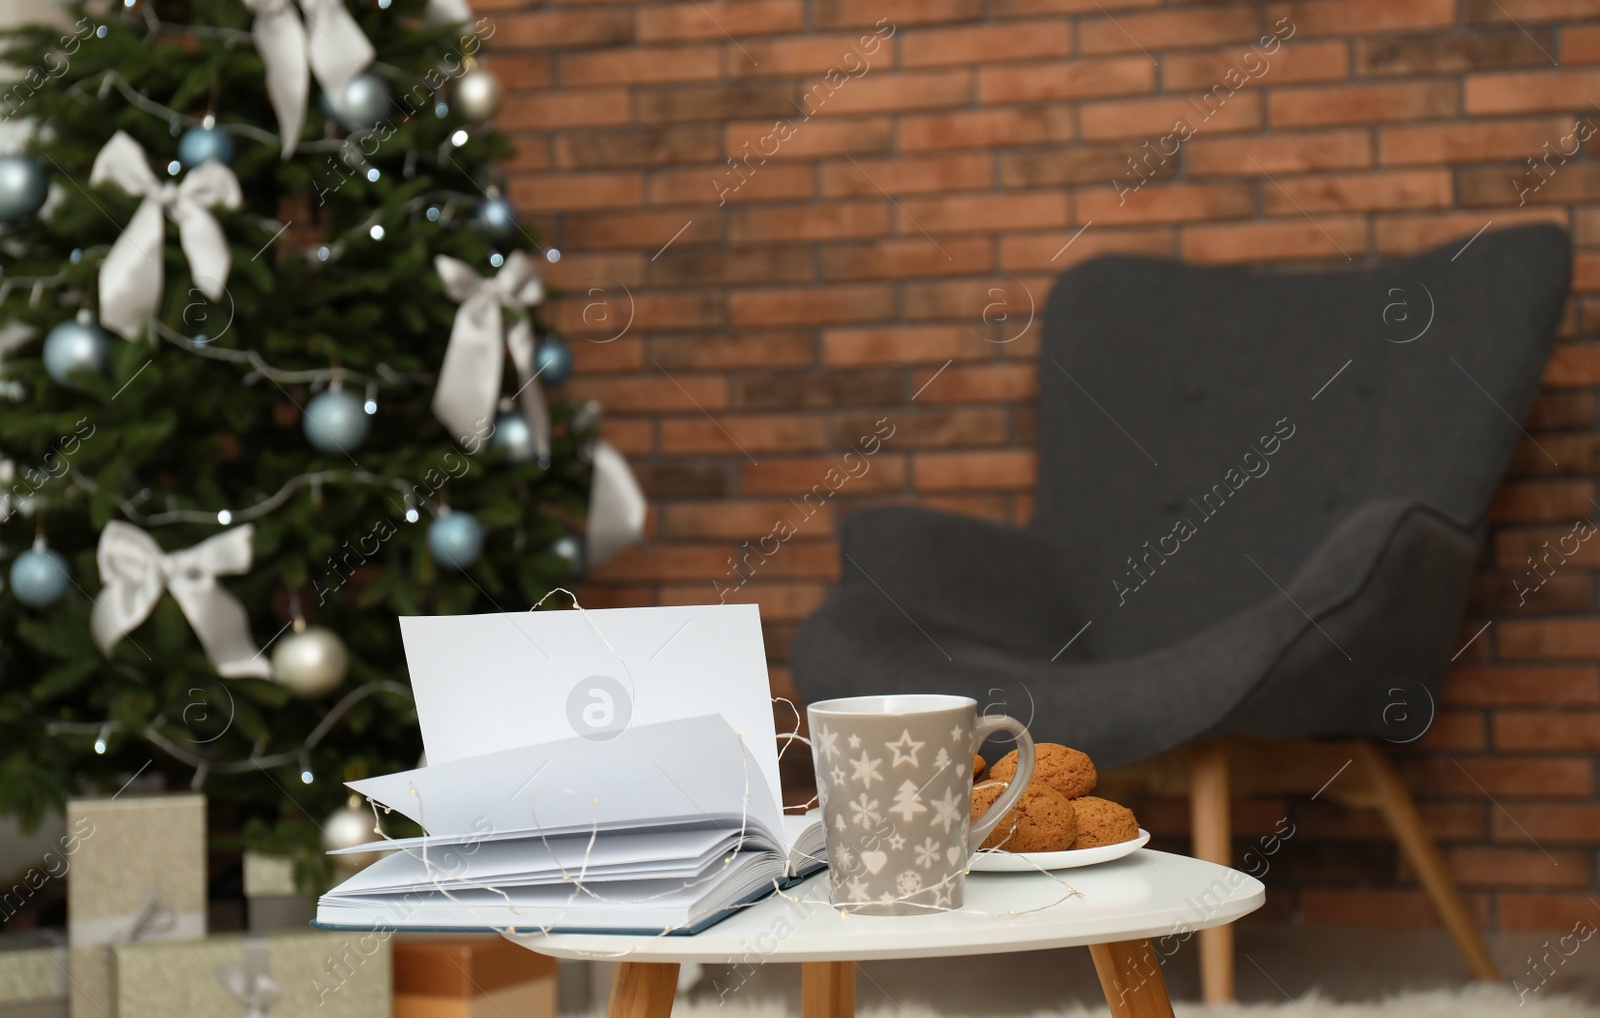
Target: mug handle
986,726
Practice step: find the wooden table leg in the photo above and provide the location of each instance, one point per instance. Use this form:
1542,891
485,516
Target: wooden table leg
1209,802
828,989
1130,976
643,989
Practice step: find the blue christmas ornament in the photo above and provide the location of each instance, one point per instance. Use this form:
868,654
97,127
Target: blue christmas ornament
512,434
201,144
553,361
455,539
39,577
335,422
496,215
74,348
24,185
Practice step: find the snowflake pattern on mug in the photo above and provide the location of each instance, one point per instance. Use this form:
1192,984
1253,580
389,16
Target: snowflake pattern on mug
906,846
827,743
947,811
866,769
865,811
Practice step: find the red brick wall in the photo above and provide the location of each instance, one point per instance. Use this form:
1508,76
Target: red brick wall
769,323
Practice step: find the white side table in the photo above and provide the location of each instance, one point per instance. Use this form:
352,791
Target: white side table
1118,909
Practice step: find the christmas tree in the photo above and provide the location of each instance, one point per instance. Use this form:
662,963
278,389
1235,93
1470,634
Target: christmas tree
281,383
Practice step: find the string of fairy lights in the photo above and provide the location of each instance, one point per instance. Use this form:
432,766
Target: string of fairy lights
443,207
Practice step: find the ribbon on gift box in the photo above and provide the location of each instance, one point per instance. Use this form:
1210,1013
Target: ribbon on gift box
469,378
329,45
135,572
152,920
130,276
251,981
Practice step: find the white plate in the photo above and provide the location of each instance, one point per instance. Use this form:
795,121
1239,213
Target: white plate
998,861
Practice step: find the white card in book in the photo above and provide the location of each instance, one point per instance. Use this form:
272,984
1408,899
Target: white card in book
486,683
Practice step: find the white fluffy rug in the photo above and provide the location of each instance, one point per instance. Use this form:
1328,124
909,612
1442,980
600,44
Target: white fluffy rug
1473,1002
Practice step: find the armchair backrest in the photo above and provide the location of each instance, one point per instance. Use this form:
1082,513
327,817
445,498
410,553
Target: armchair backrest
1201,426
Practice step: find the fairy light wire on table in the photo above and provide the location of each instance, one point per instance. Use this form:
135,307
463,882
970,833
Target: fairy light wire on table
1131,913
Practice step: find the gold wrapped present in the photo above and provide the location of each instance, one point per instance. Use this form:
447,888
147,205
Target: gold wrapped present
33,976
272,902
139,874
281,975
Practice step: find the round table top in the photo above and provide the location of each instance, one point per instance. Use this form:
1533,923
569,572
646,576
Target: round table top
1144,895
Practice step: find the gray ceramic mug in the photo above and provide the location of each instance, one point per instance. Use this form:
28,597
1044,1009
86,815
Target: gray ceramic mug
894,775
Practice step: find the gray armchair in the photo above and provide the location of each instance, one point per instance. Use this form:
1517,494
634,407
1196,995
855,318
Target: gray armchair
1260,501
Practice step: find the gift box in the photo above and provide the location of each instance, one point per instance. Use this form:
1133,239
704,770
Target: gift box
280,975
272,902
33,977
139,874
471,977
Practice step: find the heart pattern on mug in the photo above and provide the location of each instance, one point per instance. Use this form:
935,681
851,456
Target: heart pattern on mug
954,854
874,860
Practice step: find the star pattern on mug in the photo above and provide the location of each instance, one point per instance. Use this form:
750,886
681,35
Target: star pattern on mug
855,742
956,733
904,749
837,775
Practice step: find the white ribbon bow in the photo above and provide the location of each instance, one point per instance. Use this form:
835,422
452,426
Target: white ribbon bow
134,571
130,277
616,503
616,506
448,10
8,473
469,378
330,45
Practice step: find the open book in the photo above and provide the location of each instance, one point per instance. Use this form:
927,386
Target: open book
606,771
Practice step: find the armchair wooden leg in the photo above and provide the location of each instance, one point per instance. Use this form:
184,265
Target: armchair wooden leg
643,989
1401,813
1130,977
1213,842
828,989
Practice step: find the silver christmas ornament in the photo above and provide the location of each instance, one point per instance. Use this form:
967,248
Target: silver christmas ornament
335,422
477,94
24,184
571,549
76,348
455,540
351,825
310,662
366,102
39,577
514,437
